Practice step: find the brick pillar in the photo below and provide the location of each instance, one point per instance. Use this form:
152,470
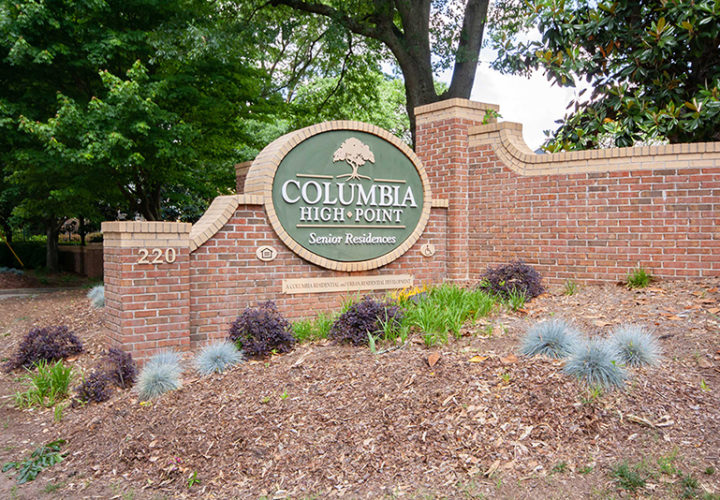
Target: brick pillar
442,145
241,171
147,286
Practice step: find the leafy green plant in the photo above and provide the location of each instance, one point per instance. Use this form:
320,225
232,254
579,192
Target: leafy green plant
689,486
585,469
308,330
570,287
371,343
515,299
638,278
217,357
554,338
635,346
592,395
560,467
42,458
628,477
193,479
595,363
667,463
49,385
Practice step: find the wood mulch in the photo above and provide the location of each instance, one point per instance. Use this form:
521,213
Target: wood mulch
336,421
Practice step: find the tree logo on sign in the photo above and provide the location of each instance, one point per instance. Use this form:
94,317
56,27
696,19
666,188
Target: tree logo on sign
355,153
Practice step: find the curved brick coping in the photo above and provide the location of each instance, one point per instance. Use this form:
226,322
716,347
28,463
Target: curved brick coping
262,172
217,215
506,140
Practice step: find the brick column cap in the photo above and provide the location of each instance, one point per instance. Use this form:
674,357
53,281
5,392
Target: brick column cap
133,234
455,108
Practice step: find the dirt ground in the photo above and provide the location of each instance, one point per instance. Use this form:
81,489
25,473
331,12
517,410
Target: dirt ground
336,421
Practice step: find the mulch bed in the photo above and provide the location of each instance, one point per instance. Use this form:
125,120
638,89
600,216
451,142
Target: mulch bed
337,421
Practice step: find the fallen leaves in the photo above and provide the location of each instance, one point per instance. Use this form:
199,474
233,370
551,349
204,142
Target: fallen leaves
433,358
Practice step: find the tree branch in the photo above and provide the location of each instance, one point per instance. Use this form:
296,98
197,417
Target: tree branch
348,22
468,51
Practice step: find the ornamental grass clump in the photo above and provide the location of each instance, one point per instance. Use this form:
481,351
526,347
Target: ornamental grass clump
217,357
97,296
516,278
262,331
364,318
596,363
553,338
48,344
160,374
635,346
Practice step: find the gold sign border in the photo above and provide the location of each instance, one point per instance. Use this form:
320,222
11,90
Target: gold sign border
260,178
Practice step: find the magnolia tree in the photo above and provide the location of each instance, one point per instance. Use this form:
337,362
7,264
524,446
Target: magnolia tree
652,66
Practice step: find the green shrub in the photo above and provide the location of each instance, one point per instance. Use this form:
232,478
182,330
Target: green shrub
638,278
49,385
32,254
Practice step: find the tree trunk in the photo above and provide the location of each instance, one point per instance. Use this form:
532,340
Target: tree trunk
82,229
52,231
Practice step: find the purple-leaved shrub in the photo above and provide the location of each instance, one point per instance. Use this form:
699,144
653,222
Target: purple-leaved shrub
120,367
363,318
50,343
261,331
94,388
516,276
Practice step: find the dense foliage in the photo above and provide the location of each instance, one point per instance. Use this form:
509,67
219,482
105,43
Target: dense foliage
513,278
120,367
95,388
651,64
364,318
50,343
261,331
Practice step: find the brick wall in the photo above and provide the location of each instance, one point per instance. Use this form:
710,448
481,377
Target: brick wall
594,215
147,306
588,215
226,276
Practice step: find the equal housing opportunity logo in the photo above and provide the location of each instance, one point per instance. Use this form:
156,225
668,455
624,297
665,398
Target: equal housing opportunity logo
347,196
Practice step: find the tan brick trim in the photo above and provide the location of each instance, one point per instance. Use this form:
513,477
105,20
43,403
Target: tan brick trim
454,108
260,177
217,215
439,203
133,234
506,140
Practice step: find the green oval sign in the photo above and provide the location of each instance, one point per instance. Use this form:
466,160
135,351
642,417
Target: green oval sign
349,196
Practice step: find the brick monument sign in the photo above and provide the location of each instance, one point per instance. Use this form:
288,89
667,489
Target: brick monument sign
345,207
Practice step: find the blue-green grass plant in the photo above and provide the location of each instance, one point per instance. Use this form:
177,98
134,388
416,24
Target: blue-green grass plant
554,338
596,362
97,296
635,346
162,373
217,357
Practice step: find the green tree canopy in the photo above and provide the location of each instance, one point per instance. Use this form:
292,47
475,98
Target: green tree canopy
423,37
652,66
